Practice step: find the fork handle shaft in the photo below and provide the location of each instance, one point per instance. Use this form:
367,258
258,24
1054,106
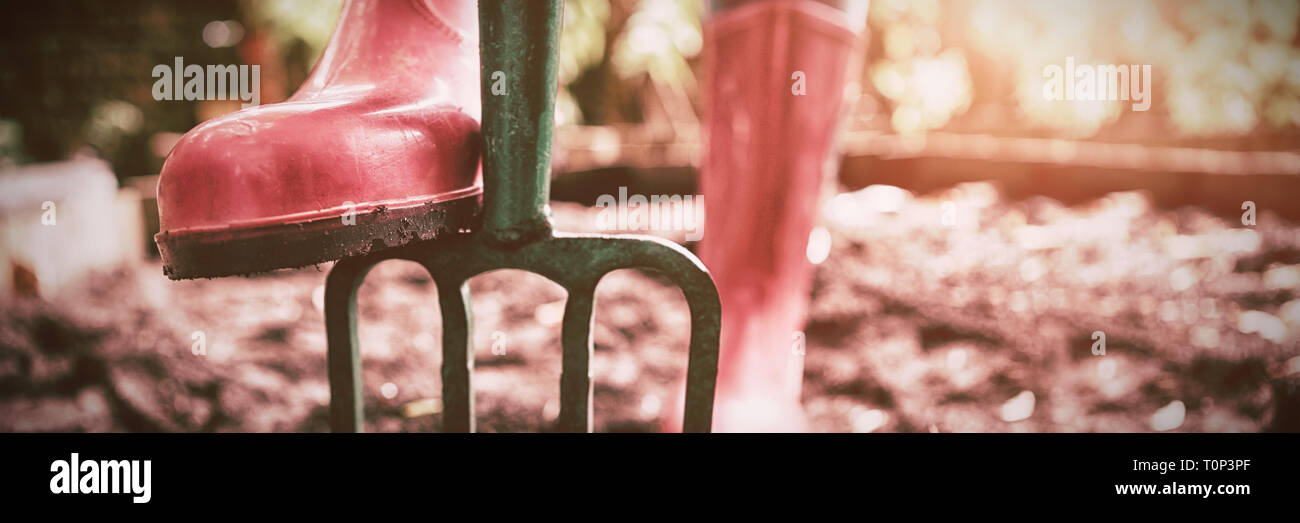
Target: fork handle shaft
519,41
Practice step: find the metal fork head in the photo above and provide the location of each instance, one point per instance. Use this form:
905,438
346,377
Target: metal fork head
575,262
519,40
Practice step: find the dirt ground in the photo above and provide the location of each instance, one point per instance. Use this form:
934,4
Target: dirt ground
974,315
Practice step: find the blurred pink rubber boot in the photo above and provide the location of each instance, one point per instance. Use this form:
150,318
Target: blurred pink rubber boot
775,83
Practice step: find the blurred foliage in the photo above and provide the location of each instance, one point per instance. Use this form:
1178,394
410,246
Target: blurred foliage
11,144
583,42
1238,67
290,21
660,36
926,84
632,39
1219,67
612,47
76,74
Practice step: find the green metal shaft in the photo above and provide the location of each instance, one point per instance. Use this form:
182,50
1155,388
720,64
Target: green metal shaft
519,44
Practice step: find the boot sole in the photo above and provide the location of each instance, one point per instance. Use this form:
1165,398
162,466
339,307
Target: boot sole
251,250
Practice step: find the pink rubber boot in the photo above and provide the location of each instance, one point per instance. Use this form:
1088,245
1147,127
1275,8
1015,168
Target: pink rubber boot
775,83
379,147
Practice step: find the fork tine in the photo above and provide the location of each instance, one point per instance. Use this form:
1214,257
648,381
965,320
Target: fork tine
457,355
575,379
343,354
690,275
702,366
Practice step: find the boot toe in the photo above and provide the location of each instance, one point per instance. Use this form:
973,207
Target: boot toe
306,160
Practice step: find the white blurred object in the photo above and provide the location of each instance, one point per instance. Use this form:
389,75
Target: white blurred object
1031,269
819,245
650,406
1018,408
549,314
1282,277
956,359
1169,417
1205,336
1266,325
1292,366
865,207
883,198
1106,369
223,33
1290,313
1182,278
867,420
94,225
1239,241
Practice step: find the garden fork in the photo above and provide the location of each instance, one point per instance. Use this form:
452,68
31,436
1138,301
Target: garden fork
519,41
